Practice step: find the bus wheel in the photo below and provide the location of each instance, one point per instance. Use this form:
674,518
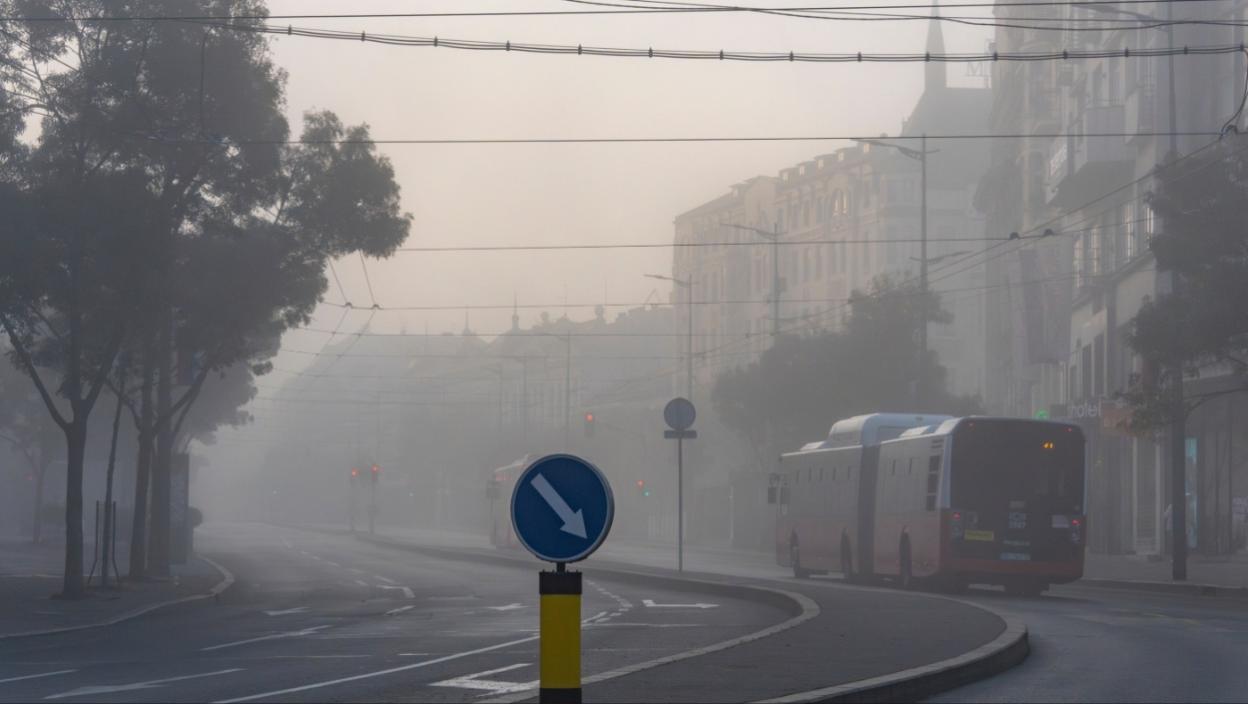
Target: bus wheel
795,558
847,561
905,572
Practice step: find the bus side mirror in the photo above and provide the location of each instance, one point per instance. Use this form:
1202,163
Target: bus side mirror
771,495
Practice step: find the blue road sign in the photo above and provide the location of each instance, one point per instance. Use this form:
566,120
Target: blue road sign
562,508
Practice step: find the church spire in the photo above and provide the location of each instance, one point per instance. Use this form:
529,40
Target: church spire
934,71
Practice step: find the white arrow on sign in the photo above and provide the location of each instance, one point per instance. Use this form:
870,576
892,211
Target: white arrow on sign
573,521
649,603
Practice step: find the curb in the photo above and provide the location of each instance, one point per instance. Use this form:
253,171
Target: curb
1005,651
1184,588
1008,649
227,580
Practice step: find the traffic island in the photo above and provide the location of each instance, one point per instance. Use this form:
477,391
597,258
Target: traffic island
839,643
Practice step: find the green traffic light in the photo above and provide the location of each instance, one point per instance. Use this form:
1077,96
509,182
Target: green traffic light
646,492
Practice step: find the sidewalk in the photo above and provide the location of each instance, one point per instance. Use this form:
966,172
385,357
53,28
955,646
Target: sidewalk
1227,572
31,574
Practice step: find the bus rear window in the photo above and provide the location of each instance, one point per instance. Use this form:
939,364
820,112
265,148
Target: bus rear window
999,462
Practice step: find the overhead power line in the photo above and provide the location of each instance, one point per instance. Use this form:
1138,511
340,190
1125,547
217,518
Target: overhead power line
676,140
720,54
611,9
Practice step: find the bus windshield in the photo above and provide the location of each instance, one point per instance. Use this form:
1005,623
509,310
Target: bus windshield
1017,464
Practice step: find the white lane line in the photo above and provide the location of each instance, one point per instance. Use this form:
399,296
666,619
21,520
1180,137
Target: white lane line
649,603
495,686
387,580
361,582
273,636
625,604
595,617
508,607
407,591
305,552
150,684
287,543
35,677
286,612
380,673
401,609
331,563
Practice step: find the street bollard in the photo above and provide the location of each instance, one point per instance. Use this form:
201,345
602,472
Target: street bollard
560,659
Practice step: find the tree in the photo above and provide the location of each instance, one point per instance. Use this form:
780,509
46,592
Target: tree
1203,327
1200,327
25,427
800,386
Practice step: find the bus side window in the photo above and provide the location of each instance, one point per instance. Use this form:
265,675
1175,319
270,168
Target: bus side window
933,481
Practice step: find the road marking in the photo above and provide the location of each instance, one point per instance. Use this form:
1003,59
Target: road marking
625,604
331,563
387,580
150,684
274,636
287,543
361,582
285,612
407,591
595,617
357,570
35,677
649,603
495,686
508,607
401,609
380,673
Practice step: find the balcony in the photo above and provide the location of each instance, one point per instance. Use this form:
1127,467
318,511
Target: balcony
1082,168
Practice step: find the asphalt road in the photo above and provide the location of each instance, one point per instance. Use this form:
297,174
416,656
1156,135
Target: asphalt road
1100,645
317,617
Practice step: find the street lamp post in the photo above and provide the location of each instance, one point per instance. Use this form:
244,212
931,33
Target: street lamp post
919,155
686,284
774,238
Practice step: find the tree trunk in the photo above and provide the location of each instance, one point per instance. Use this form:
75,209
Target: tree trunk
142,474
76,446
158,558
108,483
37,534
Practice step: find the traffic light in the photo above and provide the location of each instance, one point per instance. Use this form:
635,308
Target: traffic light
355,474
641,488
589,425
376,473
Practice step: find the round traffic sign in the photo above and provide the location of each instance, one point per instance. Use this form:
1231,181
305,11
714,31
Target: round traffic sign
562,508
679,414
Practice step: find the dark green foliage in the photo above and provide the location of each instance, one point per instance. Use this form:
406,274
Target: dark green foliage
1203,206
800,386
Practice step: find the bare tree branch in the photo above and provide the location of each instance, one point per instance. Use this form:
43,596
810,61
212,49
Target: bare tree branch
24,355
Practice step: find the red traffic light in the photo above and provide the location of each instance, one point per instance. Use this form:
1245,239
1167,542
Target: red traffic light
376,469
355,472
641,483
589,417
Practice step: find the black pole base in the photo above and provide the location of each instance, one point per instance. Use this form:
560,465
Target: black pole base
559,696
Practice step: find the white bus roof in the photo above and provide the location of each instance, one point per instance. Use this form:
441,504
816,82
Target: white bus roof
874,428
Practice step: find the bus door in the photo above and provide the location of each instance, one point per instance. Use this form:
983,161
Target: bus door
868,477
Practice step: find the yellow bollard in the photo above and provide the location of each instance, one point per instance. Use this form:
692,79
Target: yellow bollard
560,660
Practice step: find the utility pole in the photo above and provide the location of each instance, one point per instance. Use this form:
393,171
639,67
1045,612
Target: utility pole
920,391
1178,425
919,155
567,389
686,284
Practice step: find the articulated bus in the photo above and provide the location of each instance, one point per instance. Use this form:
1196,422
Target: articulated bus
501,483
948,501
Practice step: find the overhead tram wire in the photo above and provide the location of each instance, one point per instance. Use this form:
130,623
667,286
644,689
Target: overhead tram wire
790,56
614,9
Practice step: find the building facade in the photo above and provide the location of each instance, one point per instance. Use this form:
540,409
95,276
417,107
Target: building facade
1057,334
